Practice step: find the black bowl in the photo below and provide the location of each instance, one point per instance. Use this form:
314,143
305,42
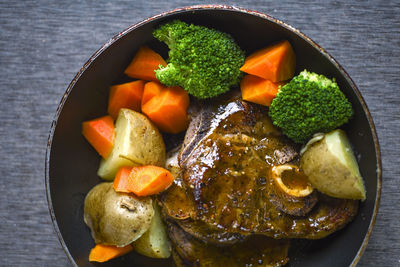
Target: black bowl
71,163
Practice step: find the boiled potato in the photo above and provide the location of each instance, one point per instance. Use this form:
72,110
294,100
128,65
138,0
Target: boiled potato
137,142
154,243
114,218
332,168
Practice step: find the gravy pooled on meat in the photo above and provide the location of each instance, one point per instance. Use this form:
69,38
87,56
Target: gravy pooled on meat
225,192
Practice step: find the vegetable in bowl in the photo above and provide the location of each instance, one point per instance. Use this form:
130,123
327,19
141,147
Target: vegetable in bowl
308,104
204,61
114,218
137,142
331,166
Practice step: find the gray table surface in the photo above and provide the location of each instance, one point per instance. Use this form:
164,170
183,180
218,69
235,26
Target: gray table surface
44,43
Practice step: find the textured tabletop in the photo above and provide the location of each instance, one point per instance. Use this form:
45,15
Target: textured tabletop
43,44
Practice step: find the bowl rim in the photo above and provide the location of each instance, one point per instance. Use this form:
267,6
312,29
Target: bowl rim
222,8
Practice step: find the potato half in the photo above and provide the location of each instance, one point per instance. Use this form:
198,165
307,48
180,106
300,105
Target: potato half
114,218
332,168
137,142
154,243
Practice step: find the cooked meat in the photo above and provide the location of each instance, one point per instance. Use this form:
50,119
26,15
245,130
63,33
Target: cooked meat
224,207
226,157
179,262
255,251
176,201
176,206
297,206
285,154
204,232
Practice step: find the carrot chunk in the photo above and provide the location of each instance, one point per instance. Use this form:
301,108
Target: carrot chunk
103,253
258,90
276,62
144,180
126,95
121,179
167,110
144,63
151,89
149,180
100,134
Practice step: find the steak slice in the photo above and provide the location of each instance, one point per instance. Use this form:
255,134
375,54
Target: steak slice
177,206
297,206
176,201
225,162
209,235
255,251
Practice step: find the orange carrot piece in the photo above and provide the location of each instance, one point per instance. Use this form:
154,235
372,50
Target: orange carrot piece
126,95
167,110
144,63
103,253
121,179
100,134
276,62
151,89
146,180
258,90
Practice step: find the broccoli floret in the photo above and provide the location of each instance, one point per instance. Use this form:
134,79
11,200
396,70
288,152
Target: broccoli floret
205,62
308,104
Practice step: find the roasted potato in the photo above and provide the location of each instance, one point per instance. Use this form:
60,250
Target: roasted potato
137,142
154,243
332,168
114,218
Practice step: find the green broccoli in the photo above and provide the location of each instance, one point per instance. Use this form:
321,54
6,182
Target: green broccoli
205,62
308,104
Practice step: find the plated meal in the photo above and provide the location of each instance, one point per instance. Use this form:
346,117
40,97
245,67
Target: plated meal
215,155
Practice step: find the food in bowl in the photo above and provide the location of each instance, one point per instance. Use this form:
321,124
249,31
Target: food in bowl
116,219
226,193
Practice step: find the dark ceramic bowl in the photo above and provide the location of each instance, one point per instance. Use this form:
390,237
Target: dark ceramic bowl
71,163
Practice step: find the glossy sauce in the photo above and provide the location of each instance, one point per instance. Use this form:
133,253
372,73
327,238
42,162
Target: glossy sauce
294,179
